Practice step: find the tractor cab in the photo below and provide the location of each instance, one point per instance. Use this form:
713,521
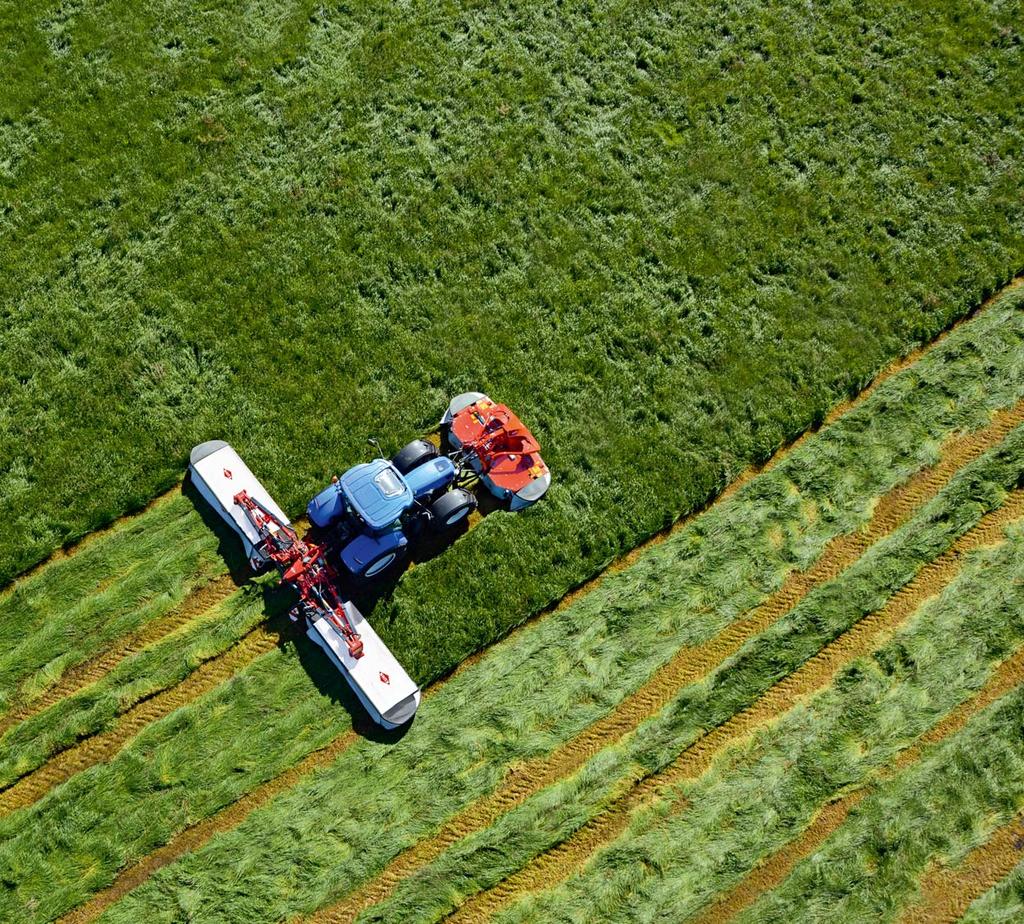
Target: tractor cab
376,493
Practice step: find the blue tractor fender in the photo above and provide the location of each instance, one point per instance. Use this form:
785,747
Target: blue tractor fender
327,507
369,554
431,476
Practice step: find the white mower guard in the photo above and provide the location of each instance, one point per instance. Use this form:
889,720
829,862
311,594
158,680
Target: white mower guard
219,473
386,691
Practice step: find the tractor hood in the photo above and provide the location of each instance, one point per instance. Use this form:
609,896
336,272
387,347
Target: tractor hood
376,492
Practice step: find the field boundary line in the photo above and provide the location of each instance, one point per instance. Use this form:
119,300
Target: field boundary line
553,866
947,892
773,869
69,550
687,666
324,756
103,746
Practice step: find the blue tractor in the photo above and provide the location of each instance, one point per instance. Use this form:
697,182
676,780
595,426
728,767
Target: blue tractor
372,511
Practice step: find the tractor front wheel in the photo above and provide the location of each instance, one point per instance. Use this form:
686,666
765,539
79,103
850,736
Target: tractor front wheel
451,508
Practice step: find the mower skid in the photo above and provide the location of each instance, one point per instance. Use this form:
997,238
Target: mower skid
386,691
219,474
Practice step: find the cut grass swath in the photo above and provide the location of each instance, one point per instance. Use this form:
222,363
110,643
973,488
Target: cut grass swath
555,865
689,665
772,870
102,747
948,891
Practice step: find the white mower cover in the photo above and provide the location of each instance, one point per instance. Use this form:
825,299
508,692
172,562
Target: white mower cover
386,691
219,473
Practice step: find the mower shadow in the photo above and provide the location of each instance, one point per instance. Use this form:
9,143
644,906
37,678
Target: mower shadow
277,602
228,545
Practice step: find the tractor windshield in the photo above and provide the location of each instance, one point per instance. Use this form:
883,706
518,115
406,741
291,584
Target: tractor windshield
389,483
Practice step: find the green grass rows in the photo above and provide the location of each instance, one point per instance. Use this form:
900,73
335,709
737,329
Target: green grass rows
761,794
185,767
547,819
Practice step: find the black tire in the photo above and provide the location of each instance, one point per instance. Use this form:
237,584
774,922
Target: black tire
451,508
415,453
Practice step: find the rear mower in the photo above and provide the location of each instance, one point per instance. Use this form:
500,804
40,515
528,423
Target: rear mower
365,516
386,691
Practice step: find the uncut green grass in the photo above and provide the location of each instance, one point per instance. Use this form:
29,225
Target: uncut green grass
724,562
671,236
548,818
783,522
292,850
1002,904
762,794
75,608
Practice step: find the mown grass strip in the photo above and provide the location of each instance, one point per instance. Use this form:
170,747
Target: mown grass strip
98,748
200,601
961,795
553,866
690,663
947,892
318,875
78,608
773,870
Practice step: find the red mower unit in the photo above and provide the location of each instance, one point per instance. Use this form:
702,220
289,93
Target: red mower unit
496,444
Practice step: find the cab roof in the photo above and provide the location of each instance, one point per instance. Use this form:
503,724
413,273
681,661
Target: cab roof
376,492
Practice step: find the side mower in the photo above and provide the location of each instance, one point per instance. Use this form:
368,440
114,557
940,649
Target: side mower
366,514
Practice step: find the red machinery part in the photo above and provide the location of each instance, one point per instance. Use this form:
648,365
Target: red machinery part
507,451
303,566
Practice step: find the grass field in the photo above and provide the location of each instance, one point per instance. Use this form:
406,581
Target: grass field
705,630
675,238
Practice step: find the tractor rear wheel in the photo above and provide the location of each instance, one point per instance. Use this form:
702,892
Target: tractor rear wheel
451,508
413,454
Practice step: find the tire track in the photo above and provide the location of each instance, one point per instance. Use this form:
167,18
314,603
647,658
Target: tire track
104,746
549,869
199,601
772,871
947,893
687,666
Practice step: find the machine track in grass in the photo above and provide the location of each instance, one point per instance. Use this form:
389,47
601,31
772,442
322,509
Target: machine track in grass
549,869
102,747
689,664
773,869
200,601
947,892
